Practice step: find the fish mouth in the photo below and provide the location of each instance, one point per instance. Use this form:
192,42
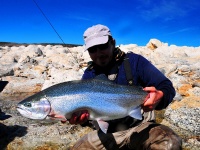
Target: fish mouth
19,108
23,111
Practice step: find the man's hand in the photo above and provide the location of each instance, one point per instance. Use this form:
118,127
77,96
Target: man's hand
152,99
79,117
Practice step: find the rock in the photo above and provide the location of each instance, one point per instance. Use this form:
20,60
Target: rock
6,70
183,90
185,114
21,133
61,75
18,85
194,91
38,51
178,97
127,48
153,44
32,68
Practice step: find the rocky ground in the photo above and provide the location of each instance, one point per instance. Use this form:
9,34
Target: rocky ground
31,68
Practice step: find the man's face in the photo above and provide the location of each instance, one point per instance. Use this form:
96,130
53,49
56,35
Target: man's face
102,54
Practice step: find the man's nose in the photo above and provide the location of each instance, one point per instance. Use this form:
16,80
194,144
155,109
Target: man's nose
99,51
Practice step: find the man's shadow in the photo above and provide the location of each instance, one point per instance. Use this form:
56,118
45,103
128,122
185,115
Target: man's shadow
9,133
2,85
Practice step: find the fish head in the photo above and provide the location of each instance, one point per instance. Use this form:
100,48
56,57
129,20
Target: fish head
34,107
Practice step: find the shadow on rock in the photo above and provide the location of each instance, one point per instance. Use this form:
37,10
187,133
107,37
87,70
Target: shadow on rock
9,133
4,116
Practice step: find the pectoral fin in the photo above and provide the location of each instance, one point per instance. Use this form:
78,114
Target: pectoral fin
103,125
136,113
57,117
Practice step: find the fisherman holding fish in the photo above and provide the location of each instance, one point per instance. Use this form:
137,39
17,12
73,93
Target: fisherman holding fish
126,69
117,96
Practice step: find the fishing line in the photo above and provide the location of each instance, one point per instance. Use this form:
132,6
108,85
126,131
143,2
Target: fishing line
55,31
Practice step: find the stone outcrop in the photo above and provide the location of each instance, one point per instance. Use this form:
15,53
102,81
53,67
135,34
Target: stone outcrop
154,43
32,68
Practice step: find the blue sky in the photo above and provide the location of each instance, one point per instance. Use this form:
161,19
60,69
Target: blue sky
130,21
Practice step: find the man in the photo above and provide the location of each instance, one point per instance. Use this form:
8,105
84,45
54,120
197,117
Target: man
127,69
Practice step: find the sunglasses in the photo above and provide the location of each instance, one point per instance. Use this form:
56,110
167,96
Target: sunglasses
100,47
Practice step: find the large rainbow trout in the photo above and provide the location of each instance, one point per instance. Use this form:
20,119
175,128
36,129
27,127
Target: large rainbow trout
103,99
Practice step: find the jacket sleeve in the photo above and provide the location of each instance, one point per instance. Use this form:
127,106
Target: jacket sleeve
149,75
88,74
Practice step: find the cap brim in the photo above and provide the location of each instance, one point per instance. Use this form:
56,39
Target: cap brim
96,41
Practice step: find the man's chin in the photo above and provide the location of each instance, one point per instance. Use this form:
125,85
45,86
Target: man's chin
103,64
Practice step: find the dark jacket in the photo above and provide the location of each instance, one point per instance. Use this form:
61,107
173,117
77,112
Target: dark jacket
144,74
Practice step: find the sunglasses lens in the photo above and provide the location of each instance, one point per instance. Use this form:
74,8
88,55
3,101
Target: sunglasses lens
92,50
101,47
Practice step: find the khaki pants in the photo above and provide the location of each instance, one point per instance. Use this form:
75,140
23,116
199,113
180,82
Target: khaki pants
146,136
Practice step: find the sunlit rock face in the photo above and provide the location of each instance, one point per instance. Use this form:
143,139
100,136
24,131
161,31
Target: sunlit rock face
32,68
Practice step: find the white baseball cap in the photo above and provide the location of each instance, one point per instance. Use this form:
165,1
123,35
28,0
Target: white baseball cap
96,35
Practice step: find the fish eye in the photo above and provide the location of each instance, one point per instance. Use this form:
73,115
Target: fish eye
28,104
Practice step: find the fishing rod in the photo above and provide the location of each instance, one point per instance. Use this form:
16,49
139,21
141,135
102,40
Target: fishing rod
55,30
